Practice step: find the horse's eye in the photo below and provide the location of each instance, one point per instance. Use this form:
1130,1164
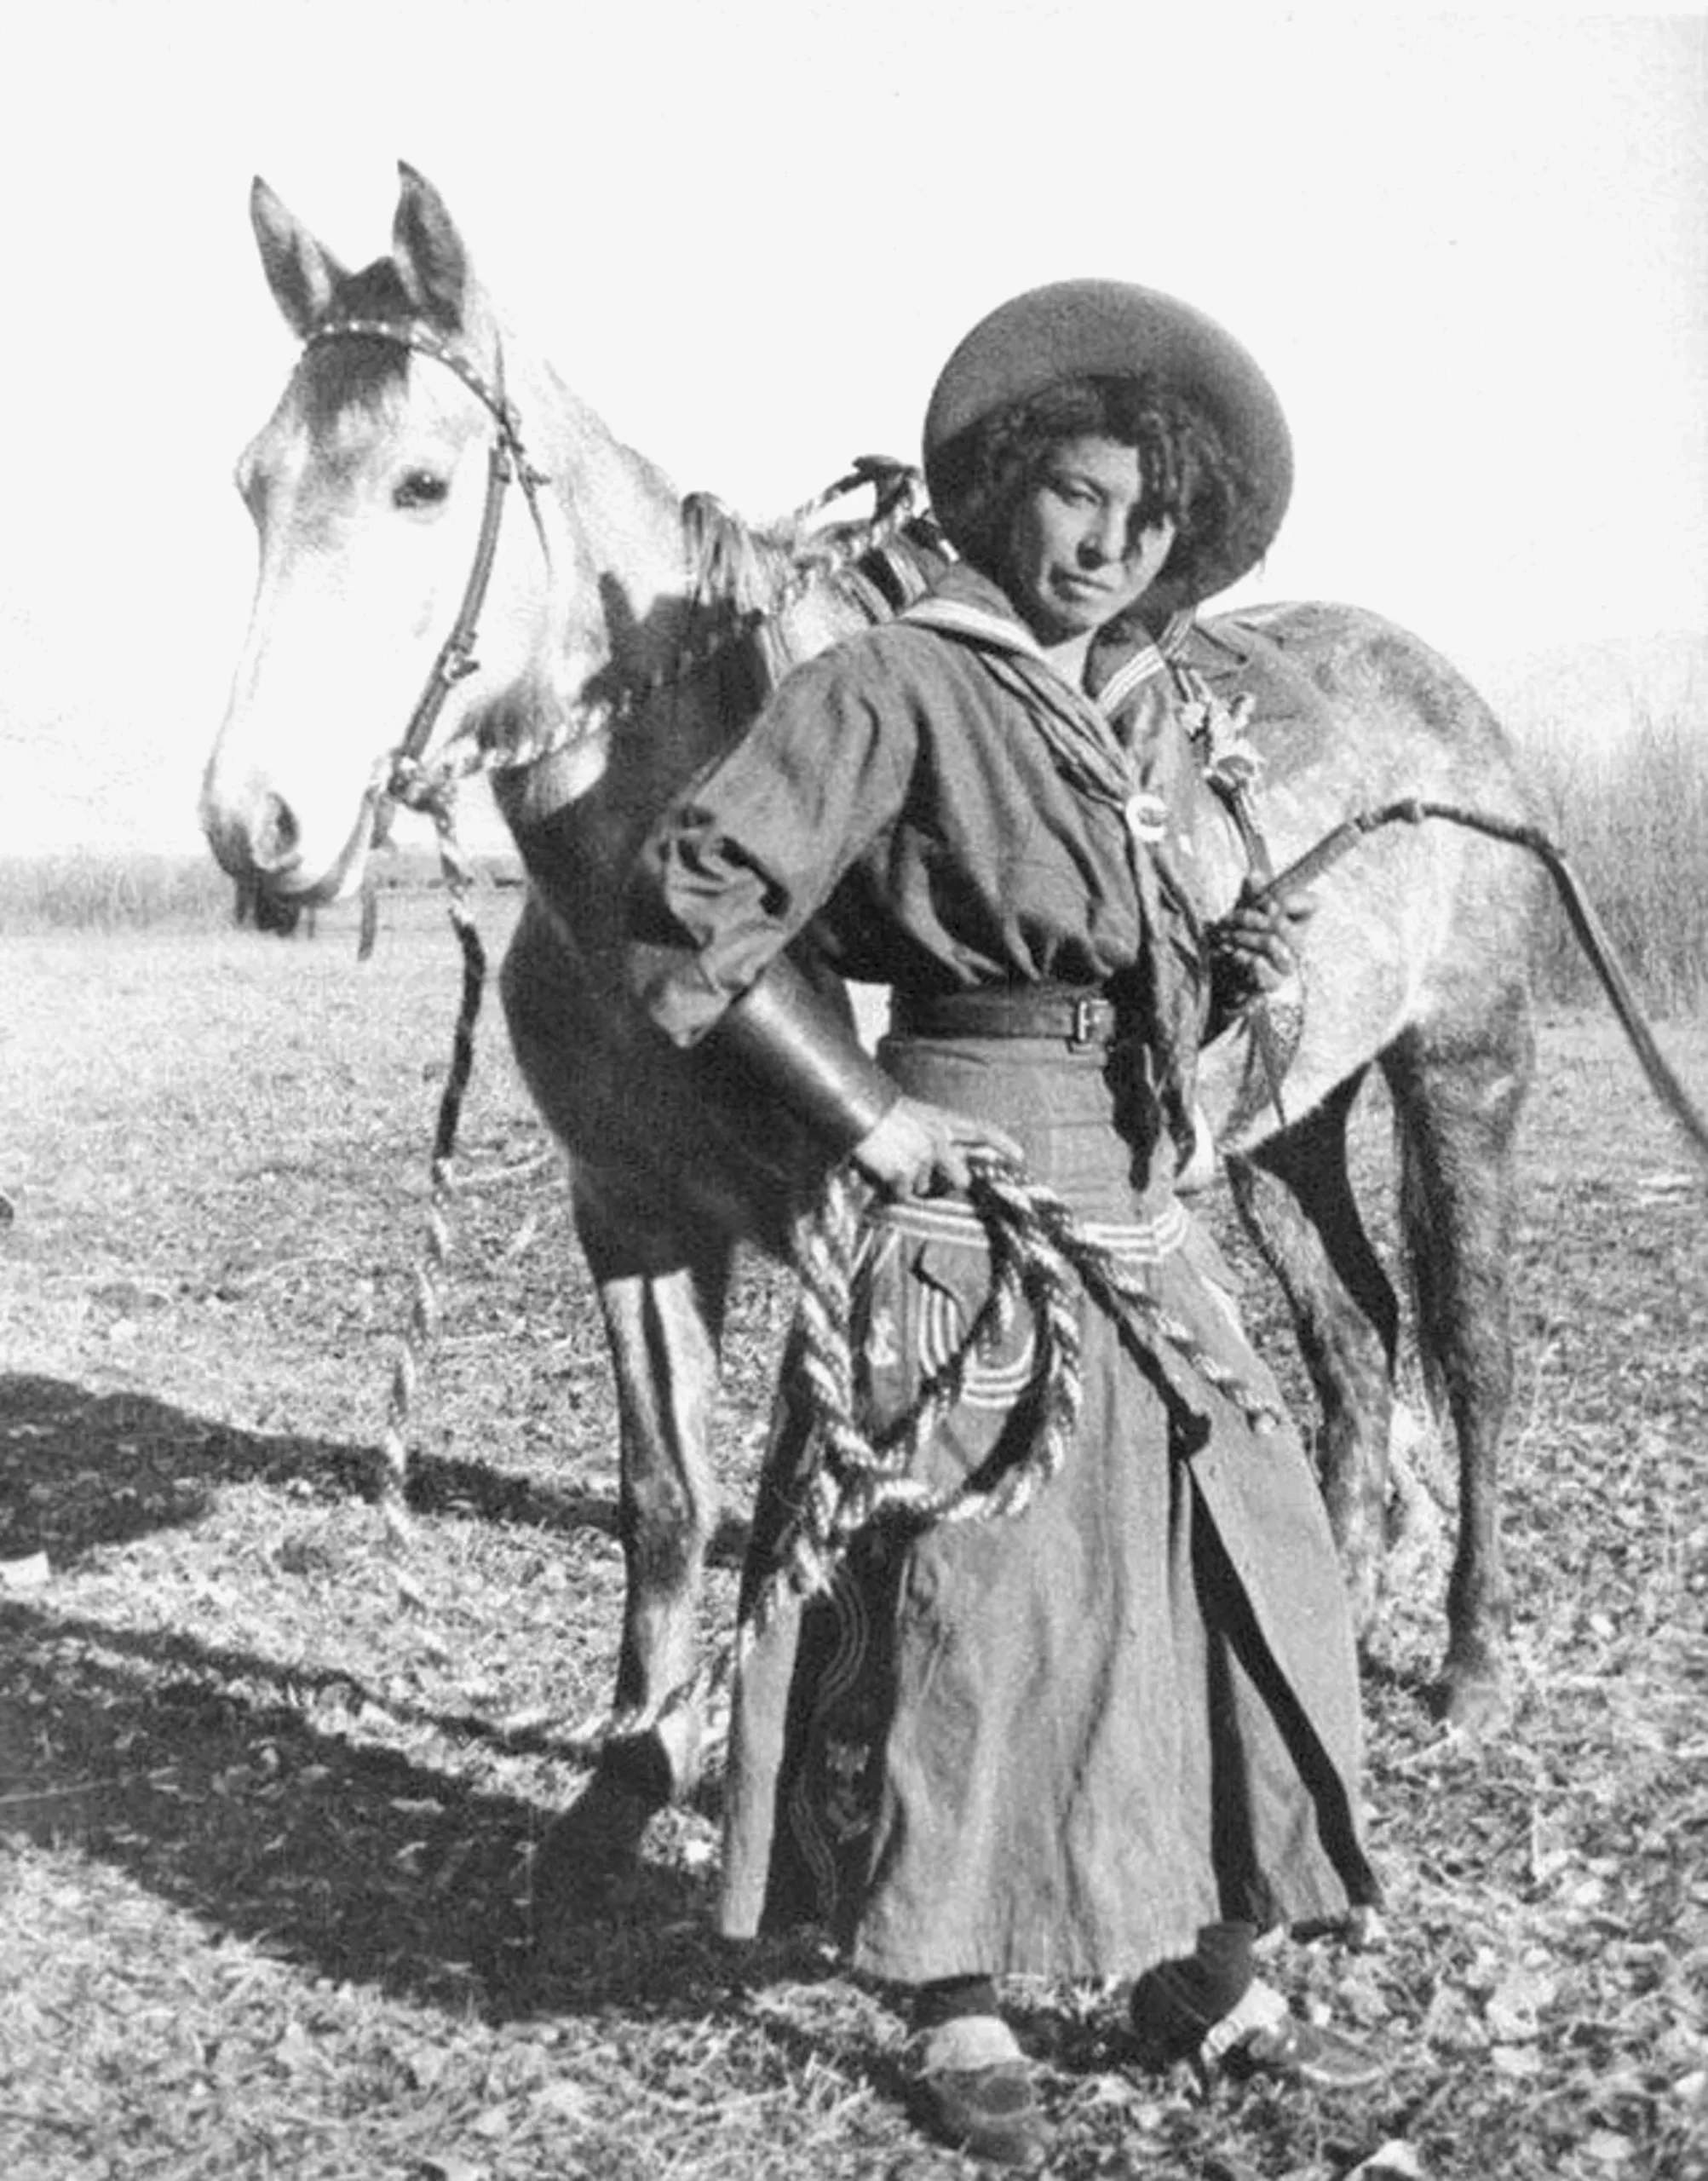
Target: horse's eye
418,488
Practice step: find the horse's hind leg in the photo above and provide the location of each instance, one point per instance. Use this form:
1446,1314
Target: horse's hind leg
663,1300
1295,1197
1457,1095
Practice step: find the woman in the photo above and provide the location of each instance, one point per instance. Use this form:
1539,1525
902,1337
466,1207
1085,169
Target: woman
1116,1734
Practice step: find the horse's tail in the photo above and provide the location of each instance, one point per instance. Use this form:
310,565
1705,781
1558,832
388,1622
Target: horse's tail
1587,925
1592,937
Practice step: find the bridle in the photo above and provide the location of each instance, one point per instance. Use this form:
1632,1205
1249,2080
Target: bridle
402,775
507,463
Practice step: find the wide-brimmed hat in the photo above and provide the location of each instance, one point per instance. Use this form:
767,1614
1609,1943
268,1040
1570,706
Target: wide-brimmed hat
1111,328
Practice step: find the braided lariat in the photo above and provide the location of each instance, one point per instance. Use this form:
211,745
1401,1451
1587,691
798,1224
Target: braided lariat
1041,1258
858,1479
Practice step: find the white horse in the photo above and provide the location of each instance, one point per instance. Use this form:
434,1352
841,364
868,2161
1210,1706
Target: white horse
397,505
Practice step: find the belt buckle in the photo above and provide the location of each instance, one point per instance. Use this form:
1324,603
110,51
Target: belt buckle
1087,1012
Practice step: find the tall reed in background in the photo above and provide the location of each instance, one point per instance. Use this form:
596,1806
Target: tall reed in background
1631,812
98,890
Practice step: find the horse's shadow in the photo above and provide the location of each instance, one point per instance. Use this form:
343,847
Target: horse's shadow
81,1469
224,1781
201,1775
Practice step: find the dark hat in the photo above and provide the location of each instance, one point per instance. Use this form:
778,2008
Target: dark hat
1110,329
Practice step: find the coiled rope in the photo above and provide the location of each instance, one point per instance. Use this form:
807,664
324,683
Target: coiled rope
1042,1259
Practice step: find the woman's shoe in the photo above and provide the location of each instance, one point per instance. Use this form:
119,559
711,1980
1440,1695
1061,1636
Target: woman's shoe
971,2086
1262,2036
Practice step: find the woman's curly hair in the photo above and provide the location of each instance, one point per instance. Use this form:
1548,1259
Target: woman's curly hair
1188,474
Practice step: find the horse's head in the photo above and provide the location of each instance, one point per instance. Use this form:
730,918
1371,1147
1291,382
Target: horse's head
378,487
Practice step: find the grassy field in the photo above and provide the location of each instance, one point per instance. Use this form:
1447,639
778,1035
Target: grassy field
268,1790
1631,813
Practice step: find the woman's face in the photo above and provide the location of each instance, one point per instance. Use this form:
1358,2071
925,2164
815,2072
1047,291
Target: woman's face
1076,558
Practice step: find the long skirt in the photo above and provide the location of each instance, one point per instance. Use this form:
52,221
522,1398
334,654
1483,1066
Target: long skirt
1060,1741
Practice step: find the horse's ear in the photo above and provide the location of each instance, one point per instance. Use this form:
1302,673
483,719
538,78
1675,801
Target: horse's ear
428,253
301,272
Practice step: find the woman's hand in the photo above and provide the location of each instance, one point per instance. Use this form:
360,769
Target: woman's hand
1251,948
923,1150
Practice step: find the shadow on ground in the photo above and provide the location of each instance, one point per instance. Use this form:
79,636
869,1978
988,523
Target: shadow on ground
203,1775
80,1469
279,1801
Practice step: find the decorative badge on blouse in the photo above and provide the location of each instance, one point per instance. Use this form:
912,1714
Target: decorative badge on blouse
1146,816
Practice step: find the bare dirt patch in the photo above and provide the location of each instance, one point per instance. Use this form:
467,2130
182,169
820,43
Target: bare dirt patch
268,1792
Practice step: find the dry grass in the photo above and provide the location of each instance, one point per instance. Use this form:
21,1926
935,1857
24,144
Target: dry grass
84,889
1633,815
98,890
1628,809
268,1793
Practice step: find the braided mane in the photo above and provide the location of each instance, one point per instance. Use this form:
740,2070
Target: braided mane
762,568
745,580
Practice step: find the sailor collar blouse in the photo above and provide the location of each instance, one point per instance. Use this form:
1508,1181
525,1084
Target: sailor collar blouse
937,809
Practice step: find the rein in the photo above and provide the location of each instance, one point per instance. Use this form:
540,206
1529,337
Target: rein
406,781
431,789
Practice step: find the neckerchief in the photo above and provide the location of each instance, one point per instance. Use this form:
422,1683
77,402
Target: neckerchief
1095,734
1102,740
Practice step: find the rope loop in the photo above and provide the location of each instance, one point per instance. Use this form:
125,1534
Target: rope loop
1042,1259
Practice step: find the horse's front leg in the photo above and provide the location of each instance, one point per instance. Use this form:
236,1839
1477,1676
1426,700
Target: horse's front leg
663,1297
665,1328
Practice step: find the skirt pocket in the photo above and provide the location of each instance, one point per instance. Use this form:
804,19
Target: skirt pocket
921,1301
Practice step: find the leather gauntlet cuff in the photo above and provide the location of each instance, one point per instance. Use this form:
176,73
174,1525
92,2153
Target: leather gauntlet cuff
790,1035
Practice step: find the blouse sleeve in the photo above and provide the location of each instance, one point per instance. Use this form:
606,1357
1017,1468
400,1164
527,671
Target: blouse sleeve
746,857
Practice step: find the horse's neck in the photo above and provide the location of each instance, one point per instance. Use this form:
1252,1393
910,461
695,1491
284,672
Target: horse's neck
619,583
671,644
625,519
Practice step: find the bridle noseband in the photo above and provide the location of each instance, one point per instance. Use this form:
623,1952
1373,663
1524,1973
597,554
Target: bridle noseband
507,460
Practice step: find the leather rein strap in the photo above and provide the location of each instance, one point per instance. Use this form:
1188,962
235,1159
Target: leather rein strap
507,459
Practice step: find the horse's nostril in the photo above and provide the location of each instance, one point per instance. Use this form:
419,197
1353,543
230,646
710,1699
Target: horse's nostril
276,833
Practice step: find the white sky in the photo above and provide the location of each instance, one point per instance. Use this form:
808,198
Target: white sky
1471,252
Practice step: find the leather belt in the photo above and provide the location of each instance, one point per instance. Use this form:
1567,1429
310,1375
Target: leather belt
1085,1016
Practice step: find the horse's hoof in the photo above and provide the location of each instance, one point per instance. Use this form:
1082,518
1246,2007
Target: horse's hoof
587,1851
